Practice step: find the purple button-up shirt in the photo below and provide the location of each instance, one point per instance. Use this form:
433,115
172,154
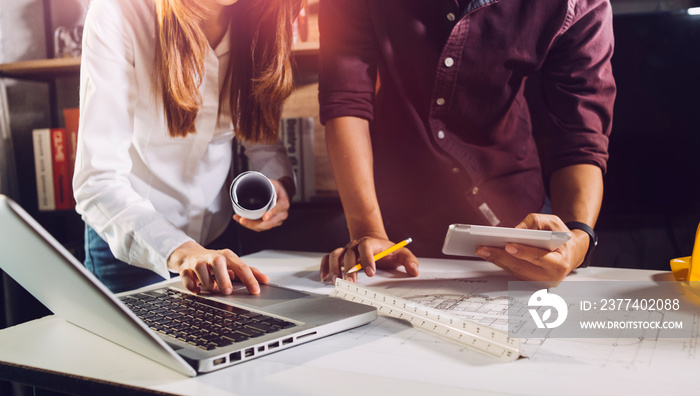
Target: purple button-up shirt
442,82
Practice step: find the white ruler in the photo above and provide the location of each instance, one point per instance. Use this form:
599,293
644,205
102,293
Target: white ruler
484,339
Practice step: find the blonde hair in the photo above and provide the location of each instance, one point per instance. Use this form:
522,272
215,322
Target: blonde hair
259,77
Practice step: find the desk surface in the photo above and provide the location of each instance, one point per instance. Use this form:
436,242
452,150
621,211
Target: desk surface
385,354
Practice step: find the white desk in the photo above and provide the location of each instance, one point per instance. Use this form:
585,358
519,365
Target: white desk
383,357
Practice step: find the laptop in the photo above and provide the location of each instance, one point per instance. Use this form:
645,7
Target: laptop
189,333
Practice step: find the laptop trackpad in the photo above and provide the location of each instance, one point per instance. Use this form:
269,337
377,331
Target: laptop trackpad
269,295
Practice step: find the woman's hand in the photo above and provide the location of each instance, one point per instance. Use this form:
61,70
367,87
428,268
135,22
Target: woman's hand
535,264
275,216
213,270
338,262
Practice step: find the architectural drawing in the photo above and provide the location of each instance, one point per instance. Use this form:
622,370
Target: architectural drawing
486,302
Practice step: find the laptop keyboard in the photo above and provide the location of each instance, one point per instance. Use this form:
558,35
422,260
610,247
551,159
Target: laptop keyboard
198,321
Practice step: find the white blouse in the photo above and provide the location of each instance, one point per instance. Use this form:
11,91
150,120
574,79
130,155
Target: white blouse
144,192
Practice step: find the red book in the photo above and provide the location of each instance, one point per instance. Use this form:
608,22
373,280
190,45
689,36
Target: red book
72,118
51,161
61,181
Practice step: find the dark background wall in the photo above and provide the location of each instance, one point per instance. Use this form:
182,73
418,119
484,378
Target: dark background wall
651,207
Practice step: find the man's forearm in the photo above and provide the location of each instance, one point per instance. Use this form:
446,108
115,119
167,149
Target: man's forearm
350,152
577,193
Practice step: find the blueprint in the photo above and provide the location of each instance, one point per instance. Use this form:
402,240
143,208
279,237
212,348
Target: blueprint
478,291
485,301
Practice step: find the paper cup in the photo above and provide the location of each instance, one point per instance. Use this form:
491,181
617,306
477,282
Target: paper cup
252,194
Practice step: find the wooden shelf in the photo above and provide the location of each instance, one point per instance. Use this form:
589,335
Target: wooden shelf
40,68
48,68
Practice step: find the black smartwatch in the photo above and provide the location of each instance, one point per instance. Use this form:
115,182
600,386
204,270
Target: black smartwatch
577,225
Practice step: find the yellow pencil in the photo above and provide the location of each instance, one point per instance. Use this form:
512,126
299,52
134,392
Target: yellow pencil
382,254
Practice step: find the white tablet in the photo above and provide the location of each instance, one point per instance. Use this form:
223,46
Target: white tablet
464,239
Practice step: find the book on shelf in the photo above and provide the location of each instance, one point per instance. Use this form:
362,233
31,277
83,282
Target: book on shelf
51,160
297,135
300,27
71,117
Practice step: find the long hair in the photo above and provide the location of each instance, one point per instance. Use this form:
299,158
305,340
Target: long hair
259,77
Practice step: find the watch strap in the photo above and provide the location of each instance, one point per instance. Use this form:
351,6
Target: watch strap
577,225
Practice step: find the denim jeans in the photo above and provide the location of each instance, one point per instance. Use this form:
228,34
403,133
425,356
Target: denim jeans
117,275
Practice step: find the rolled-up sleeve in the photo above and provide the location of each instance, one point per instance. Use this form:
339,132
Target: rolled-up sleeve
348,60
578,87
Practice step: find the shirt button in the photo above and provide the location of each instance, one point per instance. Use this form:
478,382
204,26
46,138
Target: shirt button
449,62
451,17
441,134
475,190
440,101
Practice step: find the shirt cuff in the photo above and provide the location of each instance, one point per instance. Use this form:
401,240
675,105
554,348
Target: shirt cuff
153,253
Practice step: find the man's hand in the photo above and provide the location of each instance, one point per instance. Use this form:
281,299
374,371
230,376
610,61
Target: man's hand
213,270
535,264
339,261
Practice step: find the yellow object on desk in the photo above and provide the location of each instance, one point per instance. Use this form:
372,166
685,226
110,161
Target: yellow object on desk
688,268
687,271
382,254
